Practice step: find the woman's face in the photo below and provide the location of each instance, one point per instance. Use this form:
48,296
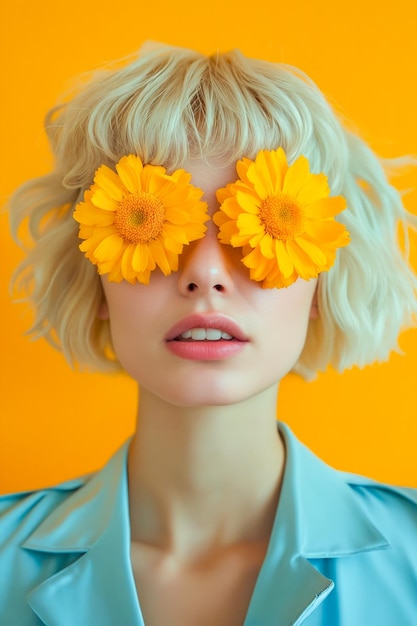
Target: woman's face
212,290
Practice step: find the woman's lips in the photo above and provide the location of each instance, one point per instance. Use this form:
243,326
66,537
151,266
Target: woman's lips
206,337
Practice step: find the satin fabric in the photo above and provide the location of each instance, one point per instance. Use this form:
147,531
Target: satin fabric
343,552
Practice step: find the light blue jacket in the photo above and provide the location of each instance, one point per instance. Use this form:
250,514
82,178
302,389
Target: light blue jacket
343,552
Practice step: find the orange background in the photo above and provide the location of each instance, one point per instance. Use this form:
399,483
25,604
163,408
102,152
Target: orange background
55,423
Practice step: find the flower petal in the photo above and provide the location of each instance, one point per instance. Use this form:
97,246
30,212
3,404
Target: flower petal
159,256
231,207
257,263
88,214
126,263
227,230
109,183
248,224
242,168
327,207
108,248
153,179
314,252
174,232
296,176
130,170
315,187
177,216
262,184
325,231
267,172
173,245
284,261
248,203
303,265
266,246
141,260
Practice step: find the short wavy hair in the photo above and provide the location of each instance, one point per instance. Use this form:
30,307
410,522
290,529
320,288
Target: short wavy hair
170,105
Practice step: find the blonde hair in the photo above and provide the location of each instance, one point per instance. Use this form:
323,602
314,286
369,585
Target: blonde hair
171,105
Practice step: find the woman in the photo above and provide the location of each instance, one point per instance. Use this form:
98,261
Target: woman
230,231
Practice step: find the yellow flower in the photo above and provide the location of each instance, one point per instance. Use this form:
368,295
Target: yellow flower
139,218
283,218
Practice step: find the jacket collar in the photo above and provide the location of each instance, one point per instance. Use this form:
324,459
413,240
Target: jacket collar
318,517
92,524
329,517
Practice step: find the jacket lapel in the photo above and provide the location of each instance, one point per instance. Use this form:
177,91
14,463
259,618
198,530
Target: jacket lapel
288,586
318,517
92,524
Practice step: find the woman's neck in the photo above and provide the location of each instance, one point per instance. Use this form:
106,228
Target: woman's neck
201,479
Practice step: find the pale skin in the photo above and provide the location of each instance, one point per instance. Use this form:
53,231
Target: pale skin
206,462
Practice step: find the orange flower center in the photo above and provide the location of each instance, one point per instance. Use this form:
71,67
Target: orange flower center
282,216
139,219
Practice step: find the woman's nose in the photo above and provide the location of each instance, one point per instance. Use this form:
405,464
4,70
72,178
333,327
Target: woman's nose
205,266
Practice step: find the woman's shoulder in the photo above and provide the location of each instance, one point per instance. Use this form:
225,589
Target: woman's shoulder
44,532
318,487
16,504
392,509
373,491
24,513
55,494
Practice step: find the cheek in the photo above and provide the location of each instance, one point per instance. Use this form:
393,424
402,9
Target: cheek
130,336
138,321
126,311
286,322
